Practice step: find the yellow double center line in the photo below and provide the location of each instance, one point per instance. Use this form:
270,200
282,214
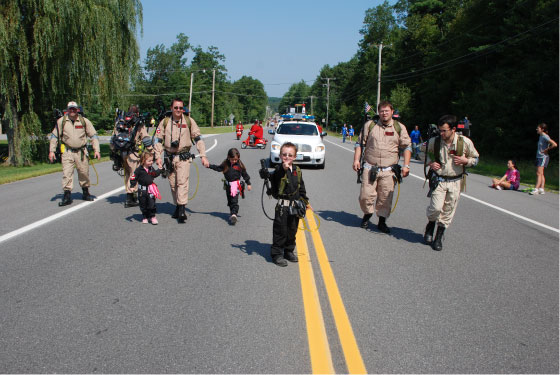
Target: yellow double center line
319,350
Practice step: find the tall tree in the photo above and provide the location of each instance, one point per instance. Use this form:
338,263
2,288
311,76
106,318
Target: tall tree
52,51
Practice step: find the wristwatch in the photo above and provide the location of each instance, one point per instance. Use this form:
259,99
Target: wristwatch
406,166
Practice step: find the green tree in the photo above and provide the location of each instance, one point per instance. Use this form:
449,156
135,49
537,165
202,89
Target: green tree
53,51
252,99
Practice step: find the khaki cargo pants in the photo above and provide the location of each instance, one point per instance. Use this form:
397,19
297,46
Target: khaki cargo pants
131,162
179,180
79,159
378,196
444,202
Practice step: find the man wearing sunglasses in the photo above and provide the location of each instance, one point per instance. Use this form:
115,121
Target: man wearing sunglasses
172,142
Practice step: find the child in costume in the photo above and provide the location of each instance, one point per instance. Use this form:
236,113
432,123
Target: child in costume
233,169
147,190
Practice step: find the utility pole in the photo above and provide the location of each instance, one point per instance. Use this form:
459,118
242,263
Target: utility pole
328,94
213,84
190,92
312,104
380,45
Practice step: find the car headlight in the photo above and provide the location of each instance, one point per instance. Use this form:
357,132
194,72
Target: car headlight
319,148
275,147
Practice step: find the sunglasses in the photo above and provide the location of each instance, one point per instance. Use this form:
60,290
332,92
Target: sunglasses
288,155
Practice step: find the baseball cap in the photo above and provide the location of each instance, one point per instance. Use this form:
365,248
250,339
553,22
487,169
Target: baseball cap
72,105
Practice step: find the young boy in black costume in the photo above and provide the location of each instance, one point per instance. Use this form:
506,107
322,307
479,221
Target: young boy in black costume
288,187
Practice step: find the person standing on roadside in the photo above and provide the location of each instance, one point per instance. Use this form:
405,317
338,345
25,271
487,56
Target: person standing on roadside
172,142
344,132
544,145
351,133
382,141
416,139
447,155
71,131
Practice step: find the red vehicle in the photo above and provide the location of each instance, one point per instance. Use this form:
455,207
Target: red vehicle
255,138
239,130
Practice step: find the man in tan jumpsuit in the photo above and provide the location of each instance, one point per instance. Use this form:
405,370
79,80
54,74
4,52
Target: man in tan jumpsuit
382,142
449,167
72,131
131,157
173,139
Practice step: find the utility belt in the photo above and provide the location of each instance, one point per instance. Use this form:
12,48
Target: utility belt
142,187
296,207
434,180
449,178
183,154
64,148
374,170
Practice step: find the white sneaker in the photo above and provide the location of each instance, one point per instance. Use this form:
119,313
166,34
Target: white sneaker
541,191
233,219
498,187
534,192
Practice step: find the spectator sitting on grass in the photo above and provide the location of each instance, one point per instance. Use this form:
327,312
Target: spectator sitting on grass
510,181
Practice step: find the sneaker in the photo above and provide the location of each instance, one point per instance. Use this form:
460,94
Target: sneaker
144,221
498,187
534,191
233,219
154,221
541,191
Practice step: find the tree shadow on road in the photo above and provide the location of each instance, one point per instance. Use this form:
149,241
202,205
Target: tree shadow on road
251,247
341,217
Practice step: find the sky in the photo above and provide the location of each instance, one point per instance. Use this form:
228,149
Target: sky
277,42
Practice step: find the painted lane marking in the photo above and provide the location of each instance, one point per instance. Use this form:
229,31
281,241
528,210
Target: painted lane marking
501,209
319,351
354,361
48,219
483,202
67,211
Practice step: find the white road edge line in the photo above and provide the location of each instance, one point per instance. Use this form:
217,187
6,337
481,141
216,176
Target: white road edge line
68,211
46,220
482,202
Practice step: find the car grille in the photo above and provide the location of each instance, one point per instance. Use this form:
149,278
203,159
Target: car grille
303,148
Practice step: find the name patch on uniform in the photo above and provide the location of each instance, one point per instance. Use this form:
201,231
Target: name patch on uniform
182,126
452,152
78,127
390,133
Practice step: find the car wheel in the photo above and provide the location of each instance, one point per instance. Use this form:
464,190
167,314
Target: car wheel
243,145
322,166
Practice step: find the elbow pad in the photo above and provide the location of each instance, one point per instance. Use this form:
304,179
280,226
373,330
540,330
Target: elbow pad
196,139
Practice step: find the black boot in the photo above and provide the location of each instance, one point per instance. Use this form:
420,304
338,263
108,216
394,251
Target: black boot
429,233
365,220
66,199
130,201
85,194
437,244
176,212
382,226
181,215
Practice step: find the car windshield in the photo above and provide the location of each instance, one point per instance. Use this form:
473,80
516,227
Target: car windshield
298,129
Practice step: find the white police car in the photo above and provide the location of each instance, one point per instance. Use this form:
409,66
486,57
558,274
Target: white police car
304,134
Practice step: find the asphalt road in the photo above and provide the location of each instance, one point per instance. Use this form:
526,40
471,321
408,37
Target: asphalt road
95,291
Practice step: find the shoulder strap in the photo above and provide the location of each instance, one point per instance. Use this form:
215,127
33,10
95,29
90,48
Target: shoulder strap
460,145
397,126
437,146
